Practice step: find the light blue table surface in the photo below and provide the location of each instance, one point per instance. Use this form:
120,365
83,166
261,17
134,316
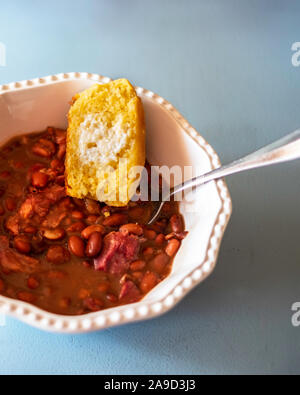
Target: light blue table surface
226,65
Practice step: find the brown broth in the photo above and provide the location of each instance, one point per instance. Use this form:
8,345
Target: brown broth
73,287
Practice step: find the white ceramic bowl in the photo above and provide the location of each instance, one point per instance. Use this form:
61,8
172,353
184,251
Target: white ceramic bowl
33,105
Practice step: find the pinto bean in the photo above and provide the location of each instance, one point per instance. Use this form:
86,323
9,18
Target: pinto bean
57,165
150,234
30,229
170,236
172,247
117,219
77,214
132,228
160,239
178,236
34,168
148,251
149,281
94,245
44,148
79,202
32,283
176,223
86,233
66,203
22,244
137,275
92,219
76,246
39,179
158,228
159,263
60,135
54,234
76,227
58,255
137,265
68,222
92,206
57,135
61,150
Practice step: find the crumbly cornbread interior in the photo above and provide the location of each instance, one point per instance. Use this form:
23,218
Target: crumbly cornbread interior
105,141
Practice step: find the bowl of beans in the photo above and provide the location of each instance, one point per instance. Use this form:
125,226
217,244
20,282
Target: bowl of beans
76,265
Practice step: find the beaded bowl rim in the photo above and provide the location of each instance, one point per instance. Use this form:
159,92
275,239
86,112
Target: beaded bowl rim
143,309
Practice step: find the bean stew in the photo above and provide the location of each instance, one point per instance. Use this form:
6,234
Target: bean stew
71,256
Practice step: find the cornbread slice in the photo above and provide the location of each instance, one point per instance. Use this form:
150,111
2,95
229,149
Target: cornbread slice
105,139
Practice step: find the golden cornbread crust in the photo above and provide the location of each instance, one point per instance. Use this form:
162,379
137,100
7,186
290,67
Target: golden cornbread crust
115,107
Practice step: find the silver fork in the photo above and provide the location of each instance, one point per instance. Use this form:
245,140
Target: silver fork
282,150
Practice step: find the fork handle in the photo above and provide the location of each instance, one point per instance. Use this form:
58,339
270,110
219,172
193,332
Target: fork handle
282,150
